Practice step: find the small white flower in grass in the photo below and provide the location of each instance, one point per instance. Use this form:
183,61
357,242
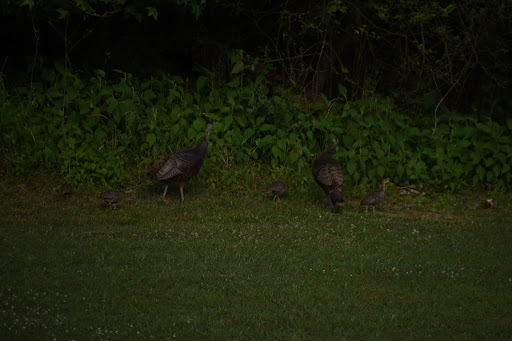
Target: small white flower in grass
415,231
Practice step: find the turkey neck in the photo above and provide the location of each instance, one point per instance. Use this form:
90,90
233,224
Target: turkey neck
204,145
332,151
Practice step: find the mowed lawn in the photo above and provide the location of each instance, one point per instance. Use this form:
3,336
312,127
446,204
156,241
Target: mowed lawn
228,265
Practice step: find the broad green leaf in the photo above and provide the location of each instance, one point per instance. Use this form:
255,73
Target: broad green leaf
356,177
241,120
174,130
248,133
400,170
227,122
219,126
372,175
199,124
276,152
201,82
294,156
173,94
377,148
509,123
100,135
111,104
380,172
191,133
342,91
149,95
71,142
260,120
29,3
268,139
489,162
62,143
267,127
317,106
53,93
239,66
177,79
480,172
282,144
175,114
150,139
347,141
62,13
152,12
351,166
49,154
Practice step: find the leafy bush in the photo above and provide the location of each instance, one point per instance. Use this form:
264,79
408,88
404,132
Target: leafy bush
92,129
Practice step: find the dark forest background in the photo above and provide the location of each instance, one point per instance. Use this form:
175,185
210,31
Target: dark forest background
432,62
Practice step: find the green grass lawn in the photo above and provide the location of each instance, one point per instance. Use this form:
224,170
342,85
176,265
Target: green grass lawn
234,265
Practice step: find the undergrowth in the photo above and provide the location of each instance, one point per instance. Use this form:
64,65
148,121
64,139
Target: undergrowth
94,129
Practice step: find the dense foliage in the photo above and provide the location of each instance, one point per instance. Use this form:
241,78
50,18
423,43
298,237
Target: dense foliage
431,57
94,129
418,92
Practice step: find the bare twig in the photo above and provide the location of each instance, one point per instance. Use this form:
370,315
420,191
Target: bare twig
36,34
446,94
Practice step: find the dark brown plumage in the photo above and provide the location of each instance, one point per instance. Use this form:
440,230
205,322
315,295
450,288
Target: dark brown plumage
66,190
328,174
276,190
375,197
180,166
113,198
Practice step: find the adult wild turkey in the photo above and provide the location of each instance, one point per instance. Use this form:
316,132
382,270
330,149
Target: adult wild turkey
328,174
374,198
276,190
180,166
113,198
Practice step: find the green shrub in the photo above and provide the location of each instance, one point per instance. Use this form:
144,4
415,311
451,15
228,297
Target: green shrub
91,129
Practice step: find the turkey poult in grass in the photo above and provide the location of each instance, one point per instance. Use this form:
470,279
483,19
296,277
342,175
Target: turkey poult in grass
113,198
328,174
372,199
488,203
276,190
180,166
66,190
